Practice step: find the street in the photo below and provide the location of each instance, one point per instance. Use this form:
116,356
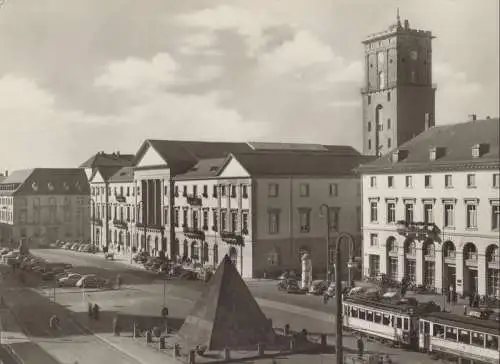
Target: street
142,295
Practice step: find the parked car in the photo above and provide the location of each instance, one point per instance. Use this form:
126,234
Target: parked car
70,280
67,246
75,246
5,251
330,292
318,287
109,255
288,274
10,255
91,281
140,257
292,286
48,275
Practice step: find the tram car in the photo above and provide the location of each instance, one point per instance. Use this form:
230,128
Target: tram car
474,340
392,320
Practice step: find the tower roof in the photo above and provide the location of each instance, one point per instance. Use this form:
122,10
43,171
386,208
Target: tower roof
226,315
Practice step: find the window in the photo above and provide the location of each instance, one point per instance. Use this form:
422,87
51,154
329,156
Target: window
223,220
389,143
195,219
195,190
492,342
399,322
448,182
471,216
274,218
223,190
386,320
184,191
449,215
214,191
233,191
334,190
244,222
205,219
471,180
389,122
373,240
304,190
176,193
429,273
408,181
464,336
369,99
369,126
409,212
369,144
373,181
391,212
176,217
496,180
389,96
273,190
215,219
381,80
374,265
185,217
373,211
477,339
428,213
437,330
390,181
305,220
495,217
334,218
428,181
244,191
369,315
234,221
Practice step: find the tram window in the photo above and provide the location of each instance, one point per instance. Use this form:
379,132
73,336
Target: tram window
399,322
354,312
477,339
362,314
386,320
378,318
427,327
406,324
437,330
369,316
464,336
492,342
346,310
451,334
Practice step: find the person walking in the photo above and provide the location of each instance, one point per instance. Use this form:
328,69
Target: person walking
361,346
118,281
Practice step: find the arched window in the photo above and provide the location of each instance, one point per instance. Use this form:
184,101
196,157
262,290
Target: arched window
391,245
470,251
381,80
429,248
449,249
195,251
492,254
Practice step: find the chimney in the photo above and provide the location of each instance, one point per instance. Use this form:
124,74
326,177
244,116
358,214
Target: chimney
472,117
118,153
407,24
6,174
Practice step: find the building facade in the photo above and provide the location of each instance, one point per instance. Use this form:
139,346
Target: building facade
44,205
202,200
431,210
398,94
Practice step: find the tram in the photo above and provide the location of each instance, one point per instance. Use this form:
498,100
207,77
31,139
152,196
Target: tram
394,320
473,340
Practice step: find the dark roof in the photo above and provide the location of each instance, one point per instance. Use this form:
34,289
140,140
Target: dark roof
284,163
205,168
271,146
48,181
2,178
465,322
102,159
226,315
455,140
125,174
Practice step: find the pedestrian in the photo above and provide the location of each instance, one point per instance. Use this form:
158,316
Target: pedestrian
471,300
465,310
361,346
90,310
96,311
118,281
455,297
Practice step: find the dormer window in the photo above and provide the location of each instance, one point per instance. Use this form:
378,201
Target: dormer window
50,186
478,150
436,153
66,186
399,155
77,185
34,185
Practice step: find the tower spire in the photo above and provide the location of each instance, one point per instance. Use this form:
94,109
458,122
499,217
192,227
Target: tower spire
398,18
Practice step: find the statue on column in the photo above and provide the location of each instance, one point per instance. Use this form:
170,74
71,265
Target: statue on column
306,271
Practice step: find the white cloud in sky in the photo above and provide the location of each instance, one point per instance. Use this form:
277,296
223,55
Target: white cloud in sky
200,43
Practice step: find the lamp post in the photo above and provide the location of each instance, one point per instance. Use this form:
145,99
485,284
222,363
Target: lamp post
339,352
324,210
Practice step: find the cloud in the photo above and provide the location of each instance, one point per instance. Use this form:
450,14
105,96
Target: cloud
136,74
200,44
251,25
346,104
347,72
454,81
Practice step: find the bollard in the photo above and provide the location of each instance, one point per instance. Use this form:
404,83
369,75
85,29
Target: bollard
260,349
227,354
191,357
323,340
149,337
292,344
161,344
176,352
286,330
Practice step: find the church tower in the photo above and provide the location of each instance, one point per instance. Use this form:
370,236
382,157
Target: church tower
398,94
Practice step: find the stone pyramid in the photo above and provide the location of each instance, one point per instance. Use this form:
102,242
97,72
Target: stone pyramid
226,315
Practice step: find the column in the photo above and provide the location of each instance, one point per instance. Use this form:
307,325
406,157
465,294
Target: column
401,262
439,266
420,264
481,274
384,257
459,264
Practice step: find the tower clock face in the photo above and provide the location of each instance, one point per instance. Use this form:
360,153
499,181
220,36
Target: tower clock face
414,55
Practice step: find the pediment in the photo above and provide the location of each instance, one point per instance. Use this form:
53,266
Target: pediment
233,168
151,158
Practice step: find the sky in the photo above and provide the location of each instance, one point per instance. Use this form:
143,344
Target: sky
81,76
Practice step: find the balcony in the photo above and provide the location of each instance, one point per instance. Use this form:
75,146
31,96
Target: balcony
471,260
417,230
450,257
232,237
393,252
95,221
121,198
193,200
193,232
122,224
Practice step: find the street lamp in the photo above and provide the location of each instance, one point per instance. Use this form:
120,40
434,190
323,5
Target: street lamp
339,356
324,210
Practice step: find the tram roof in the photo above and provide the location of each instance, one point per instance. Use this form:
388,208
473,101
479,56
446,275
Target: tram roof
464,322
391,305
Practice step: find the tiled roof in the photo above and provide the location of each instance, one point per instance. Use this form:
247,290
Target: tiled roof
102,159
319,164
125,174
455,142
49,181
205,168
271,146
